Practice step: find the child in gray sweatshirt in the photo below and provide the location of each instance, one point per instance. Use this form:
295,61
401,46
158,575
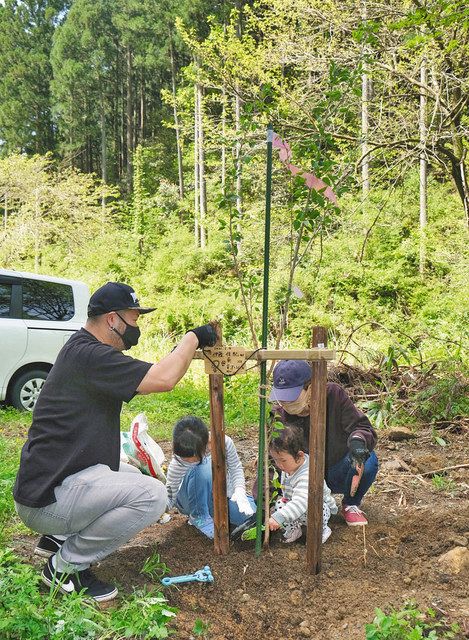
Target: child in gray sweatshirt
290,510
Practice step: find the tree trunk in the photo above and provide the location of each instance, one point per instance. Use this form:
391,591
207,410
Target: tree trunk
142,109
196,166
130,120
5,211
464,185
138,199
423,166
37,232
89,154
223,145
239,165
103,155
176,120
202,183
458,166
459,175
365,119
116,125
123,145
223,132
70,135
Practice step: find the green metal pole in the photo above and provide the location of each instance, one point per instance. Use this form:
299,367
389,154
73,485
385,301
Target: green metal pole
265,310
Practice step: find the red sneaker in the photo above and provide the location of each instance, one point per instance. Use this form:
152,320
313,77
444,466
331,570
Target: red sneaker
353,516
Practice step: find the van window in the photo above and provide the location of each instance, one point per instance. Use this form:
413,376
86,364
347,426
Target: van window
47,300
5,300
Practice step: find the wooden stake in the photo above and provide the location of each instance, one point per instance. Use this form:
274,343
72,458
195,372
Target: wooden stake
317,447
217,432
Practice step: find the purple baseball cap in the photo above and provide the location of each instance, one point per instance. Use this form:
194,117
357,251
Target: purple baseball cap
289,378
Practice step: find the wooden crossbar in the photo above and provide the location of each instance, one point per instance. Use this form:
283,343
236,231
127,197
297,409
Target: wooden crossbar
311,355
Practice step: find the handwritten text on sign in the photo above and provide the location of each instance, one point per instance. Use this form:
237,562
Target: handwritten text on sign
226,360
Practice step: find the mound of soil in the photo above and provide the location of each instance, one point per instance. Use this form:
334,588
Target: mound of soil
411,523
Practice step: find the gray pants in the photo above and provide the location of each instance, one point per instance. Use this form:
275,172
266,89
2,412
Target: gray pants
99,510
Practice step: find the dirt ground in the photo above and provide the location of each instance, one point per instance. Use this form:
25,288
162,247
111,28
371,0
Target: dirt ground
411,524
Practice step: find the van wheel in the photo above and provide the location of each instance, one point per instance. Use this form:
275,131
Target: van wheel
25,390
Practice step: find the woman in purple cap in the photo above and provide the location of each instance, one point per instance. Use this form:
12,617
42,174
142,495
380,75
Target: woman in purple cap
350,438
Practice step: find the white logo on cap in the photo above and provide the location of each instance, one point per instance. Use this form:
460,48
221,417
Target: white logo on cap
134,297
281,381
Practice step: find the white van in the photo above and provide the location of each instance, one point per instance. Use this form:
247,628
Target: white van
38,314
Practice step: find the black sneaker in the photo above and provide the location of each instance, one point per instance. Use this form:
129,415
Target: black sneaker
47,546
80,581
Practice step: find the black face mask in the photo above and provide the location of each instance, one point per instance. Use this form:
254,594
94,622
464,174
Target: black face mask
131,334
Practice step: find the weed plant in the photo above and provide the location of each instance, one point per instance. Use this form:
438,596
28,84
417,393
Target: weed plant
443,483
27,613
409,623
154,567
201,628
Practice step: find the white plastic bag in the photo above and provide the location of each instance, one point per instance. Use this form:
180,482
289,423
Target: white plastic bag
140,450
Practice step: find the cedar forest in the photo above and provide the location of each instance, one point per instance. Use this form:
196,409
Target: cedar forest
133,148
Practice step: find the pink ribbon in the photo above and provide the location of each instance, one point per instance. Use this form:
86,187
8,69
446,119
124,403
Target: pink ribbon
312,182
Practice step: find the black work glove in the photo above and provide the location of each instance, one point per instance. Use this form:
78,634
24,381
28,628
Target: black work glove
359,453
206,335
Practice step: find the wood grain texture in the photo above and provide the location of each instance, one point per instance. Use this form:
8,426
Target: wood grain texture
317,447
217,433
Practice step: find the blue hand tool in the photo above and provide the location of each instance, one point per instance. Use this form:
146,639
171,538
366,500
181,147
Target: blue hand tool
203,575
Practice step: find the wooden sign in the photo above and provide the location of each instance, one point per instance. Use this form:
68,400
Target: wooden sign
225,360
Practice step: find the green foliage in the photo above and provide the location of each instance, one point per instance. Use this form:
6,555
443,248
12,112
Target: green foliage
438,439
12,429
144,616
154,567
44,202
380,411
200,628
26,613
191,397
443,483
446,397
409,623
26,32
250,534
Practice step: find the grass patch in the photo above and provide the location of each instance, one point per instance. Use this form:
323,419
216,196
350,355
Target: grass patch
13,428
443,483
191,397
25,612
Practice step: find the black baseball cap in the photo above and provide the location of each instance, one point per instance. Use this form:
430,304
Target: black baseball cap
114,296
289,378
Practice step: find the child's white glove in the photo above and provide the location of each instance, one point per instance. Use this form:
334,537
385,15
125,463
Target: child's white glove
239,496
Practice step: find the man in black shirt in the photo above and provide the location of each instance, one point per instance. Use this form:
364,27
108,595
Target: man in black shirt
70,483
